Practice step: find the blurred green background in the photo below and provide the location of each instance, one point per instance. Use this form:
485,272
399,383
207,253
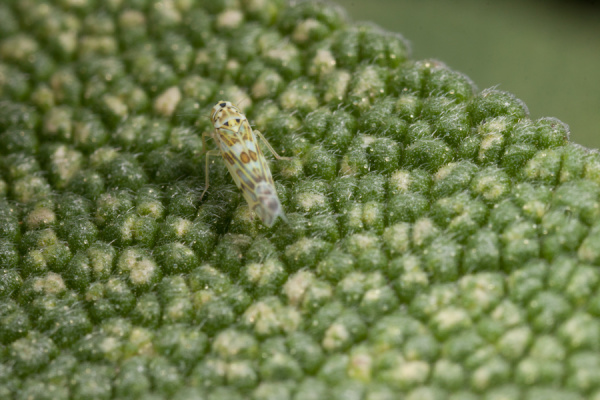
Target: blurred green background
547,53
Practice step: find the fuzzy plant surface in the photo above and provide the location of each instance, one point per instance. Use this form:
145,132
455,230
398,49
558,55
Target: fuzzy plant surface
440,244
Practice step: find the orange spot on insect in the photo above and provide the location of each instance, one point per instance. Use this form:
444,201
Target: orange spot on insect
253,155
244,157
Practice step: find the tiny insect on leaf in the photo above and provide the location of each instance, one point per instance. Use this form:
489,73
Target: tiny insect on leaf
245,161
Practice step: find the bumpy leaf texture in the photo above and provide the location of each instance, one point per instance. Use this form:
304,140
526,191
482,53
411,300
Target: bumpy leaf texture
440,244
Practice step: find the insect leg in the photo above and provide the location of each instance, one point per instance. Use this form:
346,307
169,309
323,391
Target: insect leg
207,153
271,149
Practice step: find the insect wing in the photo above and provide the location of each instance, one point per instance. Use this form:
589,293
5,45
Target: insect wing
248,167
241,155
268,207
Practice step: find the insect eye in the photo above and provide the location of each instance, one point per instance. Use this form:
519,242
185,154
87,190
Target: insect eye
222,104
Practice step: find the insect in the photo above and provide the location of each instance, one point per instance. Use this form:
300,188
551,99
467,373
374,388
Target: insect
245,161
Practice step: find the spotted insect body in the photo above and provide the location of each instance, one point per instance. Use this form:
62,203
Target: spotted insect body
245,161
